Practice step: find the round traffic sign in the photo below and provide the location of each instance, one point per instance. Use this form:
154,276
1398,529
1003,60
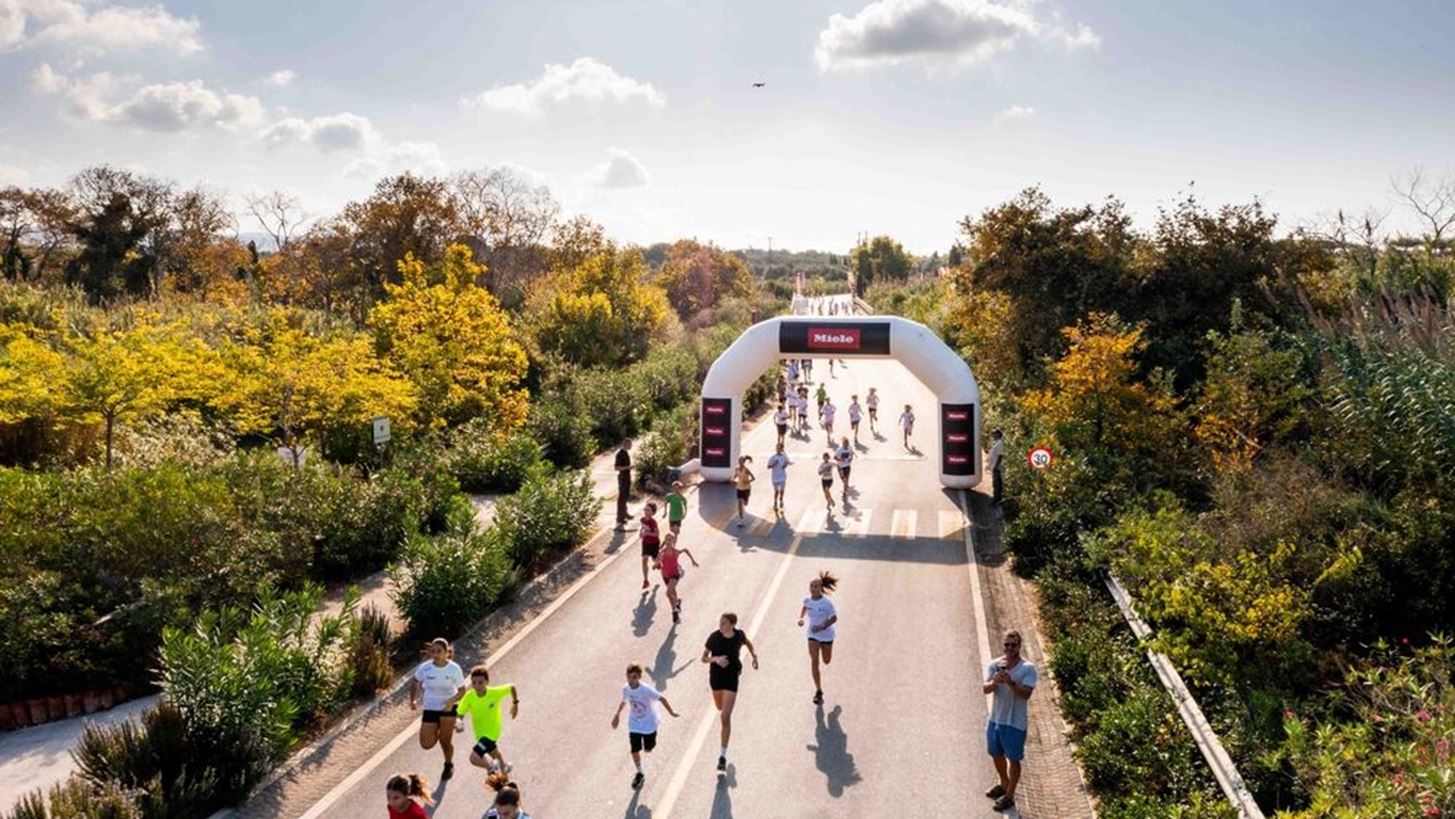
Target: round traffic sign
1039,458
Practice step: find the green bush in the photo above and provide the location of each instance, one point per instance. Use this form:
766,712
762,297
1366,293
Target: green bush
445,583
671,441
563,431
369,652
483,462
550,514
151,758
78,799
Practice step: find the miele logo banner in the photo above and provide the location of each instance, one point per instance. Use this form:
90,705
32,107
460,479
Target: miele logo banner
836,337
716,432
831,338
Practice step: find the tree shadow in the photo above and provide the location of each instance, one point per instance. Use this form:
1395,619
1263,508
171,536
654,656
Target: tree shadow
831,754
645,612
722,797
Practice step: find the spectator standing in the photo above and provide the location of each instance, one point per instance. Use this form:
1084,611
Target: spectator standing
997,458
1010,680
623,482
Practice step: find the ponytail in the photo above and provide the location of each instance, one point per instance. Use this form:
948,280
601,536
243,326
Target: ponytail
827,580
506,791
412,785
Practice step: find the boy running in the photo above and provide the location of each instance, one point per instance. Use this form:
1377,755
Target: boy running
802,407
844,458
872,400
651,540
780,419
482,703
676,508
827,412
826,475
906,421
856,413
778,470
823,396
642,720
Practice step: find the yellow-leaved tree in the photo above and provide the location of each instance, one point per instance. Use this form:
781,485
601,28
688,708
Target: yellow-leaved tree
294,387
29,388
603,311
449,336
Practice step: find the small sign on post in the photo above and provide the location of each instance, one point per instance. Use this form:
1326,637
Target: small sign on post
381,431
1039,458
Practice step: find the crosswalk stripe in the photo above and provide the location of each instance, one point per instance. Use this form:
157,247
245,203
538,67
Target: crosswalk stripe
903,523
760,526
861,526
811,523
949,523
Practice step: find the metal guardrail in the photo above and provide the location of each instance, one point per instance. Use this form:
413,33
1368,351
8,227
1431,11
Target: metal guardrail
1203,735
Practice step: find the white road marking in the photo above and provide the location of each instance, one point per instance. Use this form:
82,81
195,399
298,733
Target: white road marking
861,525
904,523
950,522
404,736
709,716
977,600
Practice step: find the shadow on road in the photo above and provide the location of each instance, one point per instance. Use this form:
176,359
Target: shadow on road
644,613
722,797
635,809
662,669
831,754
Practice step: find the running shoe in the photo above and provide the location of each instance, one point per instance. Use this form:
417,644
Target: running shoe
722,763
818,698
995,792
676,617
645,584
448,772
508,767
638,780
1004,803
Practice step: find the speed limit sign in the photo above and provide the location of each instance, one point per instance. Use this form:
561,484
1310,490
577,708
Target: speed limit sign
1039,458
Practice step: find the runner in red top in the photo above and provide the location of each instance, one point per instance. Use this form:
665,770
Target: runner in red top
672,572
404,793
651,541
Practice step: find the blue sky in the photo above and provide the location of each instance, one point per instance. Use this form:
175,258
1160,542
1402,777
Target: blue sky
897,116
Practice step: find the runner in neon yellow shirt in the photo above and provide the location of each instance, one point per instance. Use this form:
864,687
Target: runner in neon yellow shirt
481,702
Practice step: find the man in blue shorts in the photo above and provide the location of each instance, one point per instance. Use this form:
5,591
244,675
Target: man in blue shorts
1011,680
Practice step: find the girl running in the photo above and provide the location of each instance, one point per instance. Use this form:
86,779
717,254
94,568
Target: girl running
438,680
651,540
743,478
642,720
778,470
856,413
481,703
725,667
406,795
507,798
872,401
826,475
828,411
780,418
906,422
822,616
844,458
671,563
802,407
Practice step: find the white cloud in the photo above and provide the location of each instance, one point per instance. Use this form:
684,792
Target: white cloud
96,28
1015,112
173,106
623,171
583,81
11,175
281,78
935,33
335,132
420,157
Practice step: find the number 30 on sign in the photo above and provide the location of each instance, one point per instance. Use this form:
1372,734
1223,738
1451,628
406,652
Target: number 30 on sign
1039,458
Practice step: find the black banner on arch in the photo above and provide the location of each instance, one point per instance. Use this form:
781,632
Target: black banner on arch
717,414
958,449
838,338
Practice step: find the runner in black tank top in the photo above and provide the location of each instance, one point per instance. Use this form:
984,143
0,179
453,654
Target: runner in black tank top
724,668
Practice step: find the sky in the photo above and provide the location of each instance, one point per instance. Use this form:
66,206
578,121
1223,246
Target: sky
898,117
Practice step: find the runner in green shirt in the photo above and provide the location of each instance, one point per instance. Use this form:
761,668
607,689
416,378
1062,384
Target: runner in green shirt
676,508
482,703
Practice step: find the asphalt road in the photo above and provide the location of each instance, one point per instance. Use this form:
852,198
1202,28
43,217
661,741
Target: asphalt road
901,730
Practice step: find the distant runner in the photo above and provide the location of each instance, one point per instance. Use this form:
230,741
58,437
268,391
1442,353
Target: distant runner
821,616
807,370
676,507
906,422
437,680
406,795
872,400
481,703
826,476
671,563
844,459
802,407
507,798
651,540
725,667
642,720
822,395
778,470
856,414
827,412
780,419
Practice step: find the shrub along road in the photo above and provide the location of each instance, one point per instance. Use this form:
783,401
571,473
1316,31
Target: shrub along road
903,721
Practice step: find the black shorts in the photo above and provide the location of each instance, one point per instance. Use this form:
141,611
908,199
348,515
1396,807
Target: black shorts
650,549
643,742
844,474
782,430
743,494
854,424
484,746
821,642
873,414
828,483
674,525
432,717
723,679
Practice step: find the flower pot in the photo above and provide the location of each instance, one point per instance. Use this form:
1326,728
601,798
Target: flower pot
19,714
90,701
73,706
56,707
108,698
38,715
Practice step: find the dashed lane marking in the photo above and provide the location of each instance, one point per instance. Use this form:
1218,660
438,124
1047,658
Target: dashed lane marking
977,600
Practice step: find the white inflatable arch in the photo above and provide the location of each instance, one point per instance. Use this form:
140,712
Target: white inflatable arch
921,351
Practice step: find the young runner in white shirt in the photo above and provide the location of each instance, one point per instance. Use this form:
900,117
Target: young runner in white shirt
778,471
821,616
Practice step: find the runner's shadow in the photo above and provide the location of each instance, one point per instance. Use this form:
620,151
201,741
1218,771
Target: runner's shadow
644,613
439,792
662,669
636,810
878,436
831,754
722,798
914,450
618,538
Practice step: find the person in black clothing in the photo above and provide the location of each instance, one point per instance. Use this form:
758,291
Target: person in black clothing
623,482
724,668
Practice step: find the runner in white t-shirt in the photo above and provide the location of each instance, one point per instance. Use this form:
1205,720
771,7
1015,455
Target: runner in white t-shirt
436,681
828,419
821,616
778,470
844,460
872,401
826,476
906,422
642,720
780,419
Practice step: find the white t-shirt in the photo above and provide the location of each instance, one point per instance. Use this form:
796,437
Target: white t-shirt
641,705
1005,707
872,401
781,417
826,470
438,683
844,457
906,420
855,413
778,467
828,412
819,612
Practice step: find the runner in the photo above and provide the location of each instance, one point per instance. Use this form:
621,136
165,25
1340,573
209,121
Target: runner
821,619
507,798
438,679
906,421
828,411
823,396
793,373
802,407
831,369
872,400
676,507
807,370
826,475
778,470
844,459
671,563
482,704
856,414
642,720
406,795
743,478
721,652
651,541
780,418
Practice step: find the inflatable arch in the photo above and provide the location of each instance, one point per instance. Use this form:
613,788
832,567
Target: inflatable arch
921,351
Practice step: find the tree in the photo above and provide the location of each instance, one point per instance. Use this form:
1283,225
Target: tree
507,219
1254,394
28,386
697,277
602,312
406,214
279,214
120,222
450,337
877,260
36,225
1432,200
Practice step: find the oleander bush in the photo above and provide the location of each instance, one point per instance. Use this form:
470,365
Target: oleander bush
485,462
549,515
445,583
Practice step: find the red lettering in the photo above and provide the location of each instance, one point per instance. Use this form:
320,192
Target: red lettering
956,459
833,338
716,431
957,416
957,438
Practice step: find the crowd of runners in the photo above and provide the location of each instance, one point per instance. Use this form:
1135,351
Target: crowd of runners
441,691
